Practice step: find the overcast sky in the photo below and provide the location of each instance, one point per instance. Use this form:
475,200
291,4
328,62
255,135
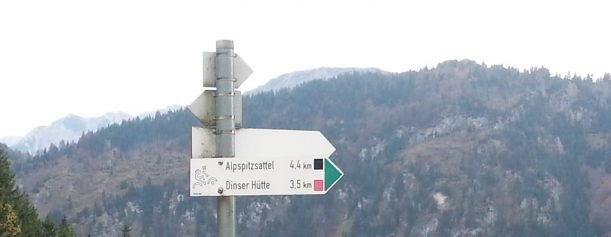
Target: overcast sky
93,57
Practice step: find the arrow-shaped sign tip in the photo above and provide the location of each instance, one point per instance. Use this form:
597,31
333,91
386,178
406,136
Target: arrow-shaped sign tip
332,174
241,71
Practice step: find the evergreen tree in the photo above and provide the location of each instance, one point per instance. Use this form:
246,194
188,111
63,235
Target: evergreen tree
8,191
49,227
9,221
65,230
126,229
18,215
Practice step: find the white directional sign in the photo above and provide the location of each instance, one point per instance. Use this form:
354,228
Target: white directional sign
264,143
271,176
241,70
267,162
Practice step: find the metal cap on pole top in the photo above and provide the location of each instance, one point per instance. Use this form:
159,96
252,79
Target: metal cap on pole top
224,44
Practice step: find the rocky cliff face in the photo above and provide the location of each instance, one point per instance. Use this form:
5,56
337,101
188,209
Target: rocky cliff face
458,150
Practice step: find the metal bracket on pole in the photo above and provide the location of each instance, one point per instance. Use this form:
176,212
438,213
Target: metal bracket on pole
227,131
219,94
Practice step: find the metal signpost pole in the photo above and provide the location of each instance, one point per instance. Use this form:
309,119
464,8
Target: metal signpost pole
225,128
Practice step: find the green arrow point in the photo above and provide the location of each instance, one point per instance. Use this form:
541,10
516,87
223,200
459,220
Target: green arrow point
332,174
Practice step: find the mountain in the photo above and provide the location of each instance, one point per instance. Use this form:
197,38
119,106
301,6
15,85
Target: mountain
461,149
290,80
10,140
161,111
12,154
68,128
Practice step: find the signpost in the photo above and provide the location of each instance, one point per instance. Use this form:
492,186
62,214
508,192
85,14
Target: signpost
249,162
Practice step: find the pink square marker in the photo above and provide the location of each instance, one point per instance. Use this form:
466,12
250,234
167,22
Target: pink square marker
319,185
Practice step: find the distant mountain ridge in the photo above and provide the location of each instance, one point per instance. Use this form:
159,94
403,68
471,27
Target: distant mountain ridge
292,79
70,128
162,111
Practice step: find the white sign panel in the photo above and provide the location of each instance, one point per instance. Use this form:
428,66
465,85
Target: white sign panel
262,176
265,143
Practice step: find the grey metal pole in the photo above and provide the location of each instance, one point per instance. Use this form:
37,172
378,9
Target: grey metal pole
225,128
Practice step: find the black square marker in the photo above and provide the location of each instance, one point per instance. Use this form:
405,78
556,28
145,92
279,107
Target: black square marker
317,164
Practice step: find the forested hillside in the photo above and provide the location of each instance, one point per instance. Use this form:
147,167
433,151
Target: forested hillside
18,217
461,149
